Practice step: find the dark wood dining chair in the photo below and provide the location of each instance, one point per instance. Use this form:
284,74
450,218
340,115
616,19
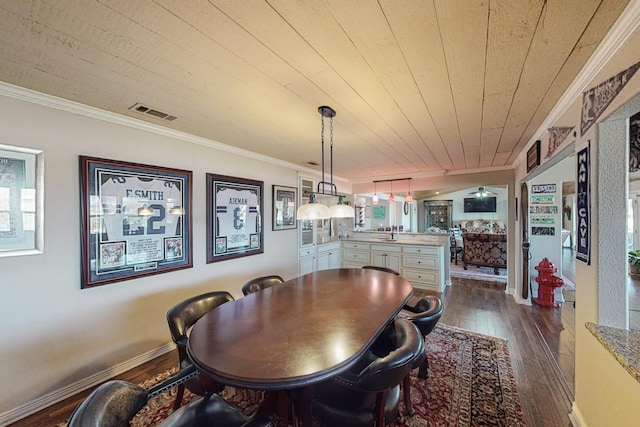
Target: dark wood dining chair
425,315
385,269
368,393
115,403
260,283
455,249
181,318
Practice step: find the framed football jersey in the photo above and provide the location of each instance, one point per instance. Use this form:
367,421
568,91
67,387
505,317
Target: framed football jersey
136,220
234,217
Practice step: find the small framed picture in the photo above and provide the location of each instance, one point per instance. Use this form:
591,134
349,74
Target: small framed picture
533,156
284,207
234,217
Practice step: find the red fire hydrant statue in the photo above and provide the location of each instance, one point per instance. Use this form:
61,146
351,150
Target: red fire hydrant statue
547,283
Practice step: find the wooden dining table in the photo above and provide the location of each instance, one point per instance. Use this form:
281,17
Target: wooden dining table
291,336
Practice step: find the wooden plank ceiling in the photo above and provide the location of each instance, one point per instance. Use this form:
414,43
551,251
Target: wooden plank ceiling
418,86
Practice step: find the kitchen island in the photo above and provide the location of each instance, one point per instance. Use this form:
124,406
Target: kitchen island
420,258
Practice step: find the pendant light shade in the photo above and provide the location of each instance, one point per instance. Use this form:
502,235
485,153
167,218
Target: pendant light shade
313,210
374,200
342,210
409,196
392,198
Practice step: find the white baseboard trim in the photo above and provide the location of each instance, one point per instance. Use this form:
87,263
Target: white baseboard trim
576,417
59,395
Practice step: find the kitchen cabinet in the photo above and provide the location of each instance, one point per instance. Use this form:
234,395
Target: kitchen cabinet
315,249
423,265
328,256
307,260
388,256
355,254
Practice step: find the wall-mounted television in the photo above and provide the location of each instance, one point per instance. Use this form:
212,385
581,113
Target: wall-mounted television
479,204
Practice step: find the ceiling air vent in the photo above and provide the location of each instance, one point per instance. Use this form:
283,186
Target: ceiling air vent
139,108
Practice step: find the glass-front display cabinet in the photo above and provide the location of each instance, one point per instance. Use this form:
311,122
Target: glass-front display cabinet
313,232
438,213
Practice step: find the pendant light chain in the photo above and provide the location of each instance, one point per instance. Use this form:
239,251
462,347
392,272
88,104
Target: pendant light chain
331,140
322,140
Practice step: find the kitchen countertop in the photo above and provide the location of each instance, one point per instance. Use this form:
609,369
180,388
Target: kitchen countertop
420,242
623,344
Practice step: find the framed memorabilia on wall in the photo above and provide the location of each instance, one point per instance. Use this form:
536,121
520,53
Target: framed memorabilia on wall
234,217
21,200
533,156
284,207
136,220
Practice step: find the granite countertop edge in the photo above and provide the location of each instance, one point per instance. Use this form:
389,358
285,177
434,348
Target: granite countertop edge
623,344
417,242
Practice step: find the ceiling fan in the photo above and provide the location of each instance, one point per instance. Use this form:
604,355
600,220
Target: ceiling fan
482,192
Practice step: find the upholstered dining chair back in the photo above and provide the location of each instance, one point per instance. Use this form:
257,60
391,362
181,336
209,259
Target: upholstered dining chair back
369,392
184,315
396,349
260,283
385,269
181,318
112,404
425,315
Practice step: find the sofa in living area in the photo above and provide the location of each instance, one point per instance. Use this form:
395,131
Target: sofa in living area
482,226
484,244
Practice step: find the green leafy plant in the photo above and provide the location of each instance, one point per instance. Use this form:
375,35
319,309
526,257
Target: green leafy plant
634,261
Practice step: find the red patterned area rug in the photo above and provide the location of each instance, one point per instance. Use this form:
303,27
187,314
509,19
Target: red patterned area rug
471,383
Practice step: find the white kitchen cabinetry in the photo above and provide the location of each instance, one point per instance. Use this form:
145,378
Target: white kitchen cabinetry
388,256
307,260
328,256
355,254
424,266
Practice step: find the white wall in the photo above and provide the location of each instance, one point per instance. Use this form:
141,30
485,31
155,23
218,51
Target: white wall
54,333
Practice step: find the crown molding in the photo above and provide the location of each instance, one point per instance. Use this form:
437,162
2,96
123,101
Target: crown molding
17,92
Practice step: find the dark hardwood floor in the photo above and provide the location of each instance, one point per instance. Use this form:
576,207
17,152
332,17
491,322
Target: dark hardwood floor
543,384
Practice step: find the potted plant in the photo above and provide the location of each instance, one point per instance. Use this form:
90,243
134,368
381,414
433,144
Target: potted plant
634,262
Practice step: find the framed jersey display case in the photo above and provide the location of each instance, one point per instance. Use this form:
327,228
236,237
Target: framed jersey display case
234,217
136,220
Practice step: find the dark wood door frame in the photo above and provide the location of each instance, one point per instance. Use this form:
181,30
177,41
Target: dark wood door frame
524,224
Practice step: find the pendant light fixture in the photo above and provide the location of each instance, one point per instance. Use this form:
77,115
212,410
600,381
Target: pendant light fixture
409,197
313,209
392,198
374,200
